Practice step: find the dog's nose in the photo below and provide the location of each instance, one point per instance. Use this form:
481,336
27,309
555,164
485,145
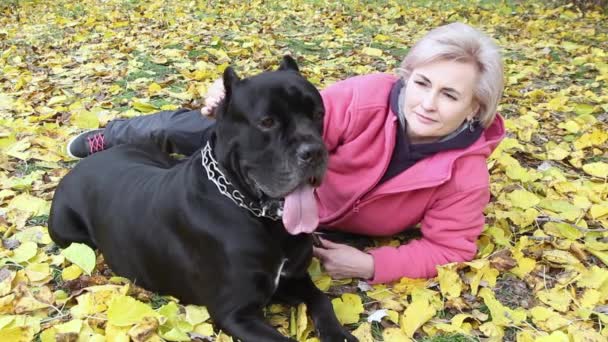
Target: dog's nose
309,153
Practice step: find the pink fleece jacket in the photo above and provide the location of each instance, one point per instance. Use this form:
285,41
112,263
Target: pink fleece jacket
446,192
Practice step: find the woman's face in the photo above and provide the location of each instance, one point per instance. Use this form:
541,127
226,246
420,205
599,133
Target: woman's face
438,98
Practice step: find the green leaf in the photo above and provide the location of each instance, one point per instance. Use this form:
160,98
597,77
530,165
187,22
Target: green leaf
583,109
81,255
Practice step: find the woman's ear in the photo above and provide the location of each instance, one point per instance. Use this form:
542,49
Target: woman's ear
474,112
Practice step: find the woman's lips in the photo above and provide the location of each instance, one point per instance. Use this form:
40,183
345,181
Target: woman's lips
425,119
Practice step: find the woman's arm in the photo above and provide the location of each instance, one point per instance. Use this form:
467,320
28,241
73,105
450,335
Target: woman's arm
450,229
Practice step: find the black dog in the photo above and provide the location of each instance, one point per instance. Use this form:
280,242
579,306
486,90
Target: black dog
207,229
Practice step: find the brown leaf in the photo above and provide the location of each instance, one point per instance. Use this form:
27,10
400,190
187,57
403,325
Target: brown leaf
503,260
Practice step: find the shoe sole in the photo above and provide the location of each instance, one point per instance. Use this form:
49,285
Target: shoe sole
67,149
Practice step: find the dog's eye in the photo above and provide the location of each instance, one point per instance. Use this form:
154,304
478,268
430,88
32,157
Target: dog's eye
267,122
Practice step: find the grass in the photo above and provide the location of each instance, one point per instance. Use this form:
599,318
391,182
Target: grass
450,338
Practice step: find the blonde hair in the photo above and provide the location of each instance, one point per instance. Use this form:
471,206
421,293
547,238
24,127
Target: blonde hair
462,43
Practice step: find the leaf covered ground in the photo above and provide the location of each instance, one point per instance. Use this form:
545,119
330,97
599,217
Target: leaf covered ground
540,274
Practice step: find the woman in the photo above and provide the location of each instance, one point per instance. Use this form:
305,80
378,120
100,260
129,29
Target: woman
403,150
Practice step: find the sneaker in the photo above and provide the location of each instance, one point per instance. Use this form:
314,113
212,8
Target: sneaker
86,143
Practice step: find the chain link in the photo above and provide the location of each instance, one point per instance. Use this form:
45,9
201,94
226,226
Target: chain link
271,210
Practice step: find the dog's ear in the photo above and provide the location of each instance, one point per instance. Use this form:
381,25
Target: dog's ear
230,78
289,63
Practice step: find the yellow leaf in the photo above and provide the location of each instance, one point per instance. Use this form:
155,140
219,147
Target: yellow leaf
593,277
558,206
302,329
501,316
558,299
6,101
81,255
584,335
57,99
371,51
348,308
557,153
417,313
29,304
498,236
590,298
154,88
517,172
25,252
523,218
49,335
556,336
603,256
450,283
30,204
595,138
598,169
17,334
563,230
364,332
524,266
220,54
482,270
71,272
557,256
570,126
72,326
394,335
581,202
144,107
37,271
598,210
523,199
492,330
558,103
143,330
196,314
583,108
6,282
204,329
321,280
175,327
85,119
117,334
124,311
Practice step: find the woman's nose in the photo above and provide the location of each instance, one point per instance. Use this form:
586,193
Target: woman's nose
428,102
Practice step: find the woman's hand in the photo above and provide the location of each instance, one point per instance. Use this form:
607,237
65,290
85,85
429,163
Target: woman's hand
342,261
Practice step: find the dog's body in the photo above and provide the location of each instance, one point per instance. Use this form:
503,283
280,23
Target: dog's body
164,223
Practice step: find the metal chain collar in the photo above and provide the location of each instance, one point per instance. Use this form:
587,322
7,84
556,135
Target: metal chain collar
272,210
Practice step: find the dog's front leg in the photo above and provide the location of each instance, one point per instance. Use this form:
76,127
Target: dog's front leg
297,290
249,326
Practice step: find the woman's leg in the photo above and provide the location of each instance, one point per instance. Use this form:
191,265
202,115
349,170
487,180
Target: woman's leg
172,131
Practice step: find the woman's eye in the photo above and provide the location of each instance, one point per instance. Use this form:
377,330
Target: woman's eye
267,122
451,97
420,83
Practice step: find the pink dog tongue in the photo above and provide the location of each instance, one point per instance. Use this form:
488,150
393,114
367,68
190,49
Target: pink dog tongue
300,213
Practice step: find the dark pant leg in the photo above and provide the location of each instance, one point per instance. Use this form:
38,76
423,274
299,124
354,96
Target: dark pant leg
178,131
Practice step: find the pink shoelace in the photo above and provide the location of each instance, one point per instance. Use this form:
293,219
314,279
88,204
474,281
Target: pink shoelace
96,143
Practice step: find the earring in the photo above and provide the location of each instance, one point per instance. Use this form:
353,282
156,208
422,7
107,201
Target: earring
471,123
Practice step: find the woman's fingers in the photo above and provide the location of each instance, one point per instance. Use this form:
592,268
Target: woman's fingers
329,244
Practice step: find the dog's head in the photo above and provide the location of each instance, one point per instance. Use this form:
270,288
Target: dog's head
268,132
